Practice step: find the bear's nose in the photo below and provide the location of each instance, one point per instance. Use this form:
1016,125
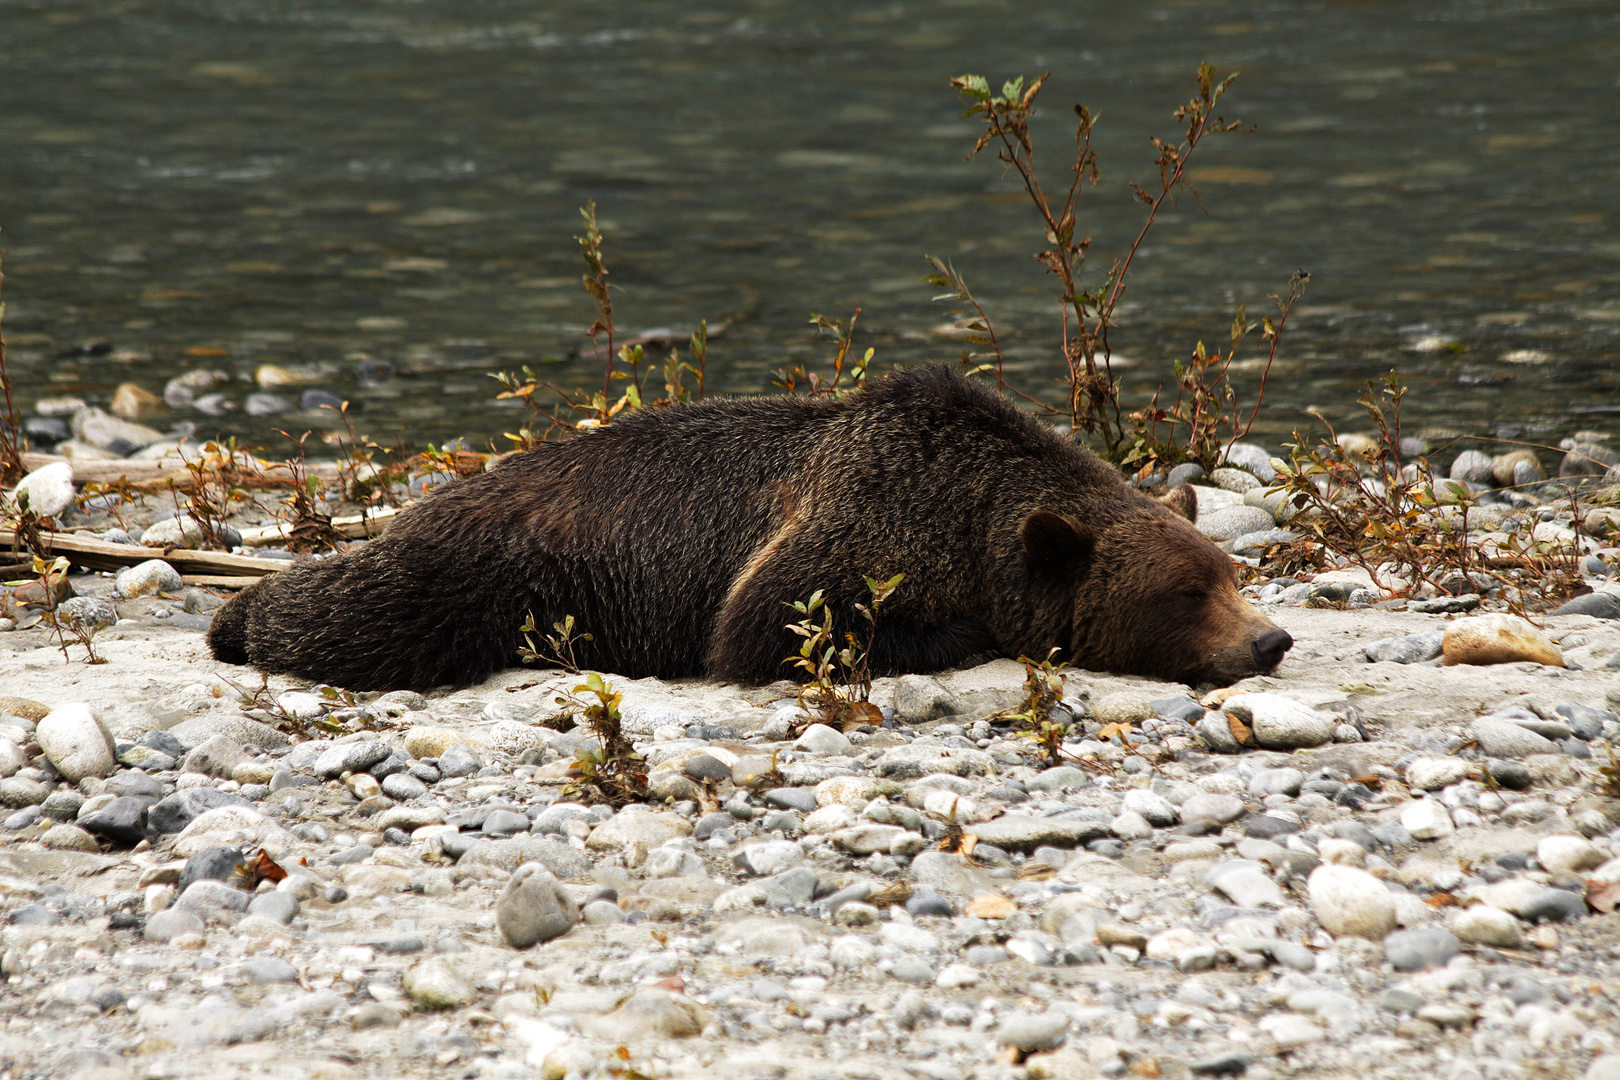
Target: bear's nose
1269,647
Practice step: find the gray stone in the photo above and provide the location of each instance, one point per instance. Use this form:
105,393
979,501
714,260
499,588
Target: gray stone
1423,947
103,430
459,760
1505,739
1058,779
771,857
150,578
1444,605
181,531
1553,905
89,612
920,698
561,859
17,792
1474,467
1245,883
1207,806
281,907
1234,521
503,823
795,887
269,969
69,838
123,820
913,969
534,907
1217,733
217,756
210,864
647,719
1281,723
800,799
173,813
1603,604
1406,649
403,787
250,733
352,757
1275,782
213,901
1025,834
1252,459
1153,808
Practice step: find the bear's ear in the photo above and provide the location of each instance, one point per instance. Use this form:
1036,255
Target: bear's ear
1054,544
1182,501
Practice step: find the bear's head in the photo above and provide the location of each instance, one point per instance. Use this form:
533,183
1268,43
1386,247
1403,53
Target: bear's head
1150,596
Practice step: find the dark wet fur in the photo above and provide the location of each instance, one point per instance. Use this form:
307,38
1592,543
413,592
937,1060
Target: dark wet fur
674,537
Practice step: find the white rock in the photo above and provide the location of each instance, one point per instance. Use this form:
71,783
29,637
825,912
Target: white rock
1172,943
852,952
1130,826
232,826
49,489
175,532
1280,723
1245,883
830,819
12,758
1429,774
944,802
1153,808
1427,819
1486,925
1289,1030
909,938
957,976
1569,854
148,579
1342,852
1351,902
75,742
821,739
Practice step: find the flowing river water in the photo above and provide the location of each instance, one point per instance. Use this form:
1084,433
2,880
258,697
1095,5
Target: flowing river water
222,184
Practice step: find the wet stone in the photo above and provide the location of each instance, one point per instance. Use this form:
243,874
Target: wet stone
1553,905
1424,947
800,799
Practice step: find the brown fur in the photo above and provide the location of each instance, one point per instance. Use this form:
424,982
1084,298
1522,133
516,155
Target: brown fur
675,537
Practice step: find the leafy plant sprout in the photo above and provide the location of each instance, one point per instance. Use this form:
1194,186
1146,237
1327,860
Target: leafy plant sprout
838,679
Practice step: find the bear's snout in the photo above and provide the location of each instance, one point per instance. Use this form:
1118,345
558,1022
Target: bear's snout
1269,647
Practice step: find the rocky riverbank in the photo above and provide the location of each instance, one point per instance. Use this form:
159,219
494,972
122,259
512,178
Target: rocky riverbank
1402,868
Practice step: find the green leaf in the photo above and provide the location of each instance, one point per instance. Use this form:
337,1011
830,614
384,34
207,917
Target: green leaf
974,86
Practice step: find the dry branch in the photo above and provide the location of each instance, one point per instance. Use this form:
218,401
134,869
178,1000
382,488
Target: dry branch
100,555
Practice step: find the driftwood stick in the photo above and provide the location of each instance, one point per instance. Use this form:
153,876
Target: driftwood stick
100,555
160,472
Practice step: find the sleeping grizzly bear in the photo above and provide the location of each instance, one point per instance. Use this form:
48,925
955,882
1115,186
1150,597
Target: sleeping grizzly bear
675,537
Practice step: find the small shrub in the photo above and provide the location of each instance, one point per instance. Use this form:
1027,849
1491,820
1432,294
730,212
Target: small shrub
558,650
1385,515
614,772
50,576
838,680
